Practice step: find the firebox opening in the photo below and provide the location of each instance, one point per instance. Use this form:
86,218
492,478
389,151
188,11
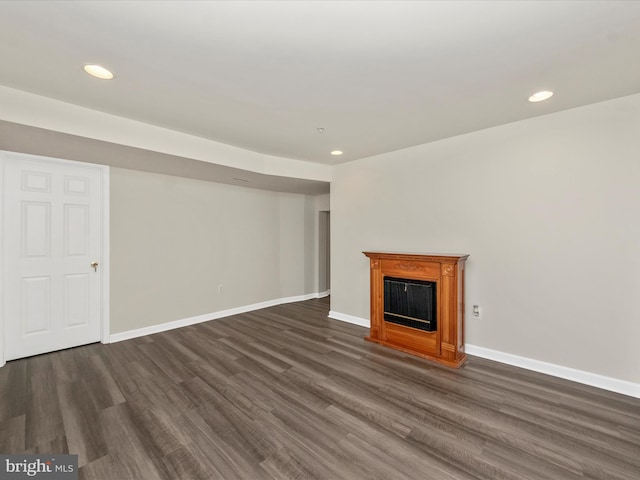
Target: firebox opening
411,303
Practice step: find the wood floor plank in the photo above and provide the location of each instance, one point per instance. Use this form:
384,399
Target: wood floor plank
130,446
13,390
287,393
102,386
224,447
406,457
43,410
104,467
171,365
81,422
12,437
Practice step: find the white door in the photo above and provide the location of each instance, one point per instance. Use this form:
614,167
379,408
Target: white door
52,231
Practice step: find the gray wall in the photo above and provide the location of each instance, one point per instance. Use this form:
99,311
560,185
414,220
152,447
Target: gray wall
548,210
174,240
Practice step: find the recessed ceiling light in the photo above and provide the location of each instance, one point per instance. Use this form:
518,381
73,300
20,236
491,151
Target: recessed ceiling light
540,96
337,152
98,72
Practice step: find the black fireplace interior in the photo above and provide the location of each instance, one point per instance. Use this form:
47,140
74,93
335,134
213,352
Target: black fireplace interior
411,303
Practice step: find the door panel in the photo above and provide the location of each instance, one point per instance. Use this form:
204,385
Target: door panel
76,300
36,304
52,232
76,230
36,182
36,229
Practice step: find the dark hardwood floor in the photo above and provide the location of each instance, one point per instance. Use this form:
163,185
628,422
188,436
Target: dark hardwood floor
285,392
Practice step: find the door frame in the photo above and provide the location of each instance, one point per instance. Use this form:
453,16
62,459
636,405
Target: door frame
105,261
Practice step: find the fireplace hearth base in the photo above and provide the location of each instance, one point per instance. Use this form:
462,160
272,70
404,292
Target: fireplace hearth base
445,344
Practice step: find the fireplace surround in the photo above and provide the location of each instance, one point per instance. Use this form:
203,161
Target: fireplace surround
417,304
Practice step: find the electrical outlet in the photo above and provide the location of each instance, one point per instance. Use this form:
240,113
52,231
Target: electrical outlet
476,312
221,288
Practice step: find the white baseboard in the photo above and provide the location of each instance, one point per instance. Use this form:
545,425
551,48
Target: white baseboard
163,327
343,317
580,376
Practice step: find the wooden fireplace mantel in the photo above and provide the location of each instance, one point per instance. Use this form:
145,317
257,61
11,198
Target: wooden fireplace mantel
444,345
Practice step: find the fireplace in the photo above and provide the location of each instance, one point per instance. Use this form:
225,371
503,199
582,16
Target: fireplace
411,303
417,304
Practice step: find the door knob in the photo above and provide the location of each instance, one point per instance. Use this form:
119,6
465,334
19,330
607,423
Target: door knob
95,266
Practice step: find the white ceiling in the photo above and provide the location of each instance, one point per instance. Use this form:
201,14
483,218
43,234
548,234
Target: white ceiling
377,76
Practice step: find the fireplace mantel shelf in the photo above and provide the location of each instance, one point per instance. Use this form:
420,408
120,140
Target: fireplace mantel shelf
444,345
417,255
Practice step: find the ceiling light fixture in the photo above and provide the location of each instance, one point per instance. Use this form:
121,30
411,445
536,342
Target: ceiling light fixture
98,72
540,96
337,152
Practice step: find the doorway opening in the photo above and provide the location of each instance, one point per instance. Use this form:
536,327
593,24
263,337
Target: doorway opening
324,250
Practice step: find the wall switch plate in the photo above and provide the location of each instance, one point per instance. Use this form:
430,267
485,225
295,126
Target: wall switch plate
221,288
